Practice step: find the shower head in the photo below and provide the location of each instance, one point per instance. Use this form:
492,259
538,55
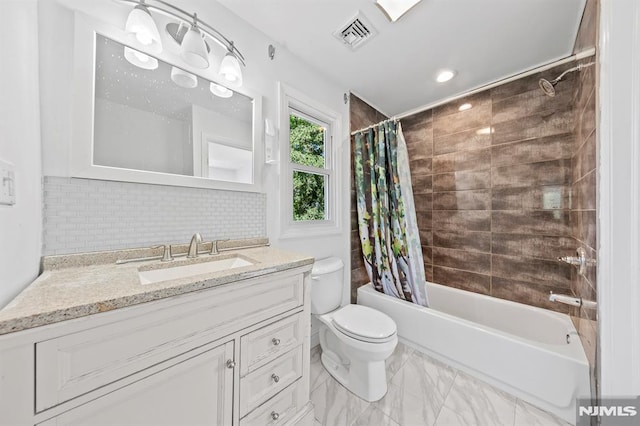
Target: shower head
549,87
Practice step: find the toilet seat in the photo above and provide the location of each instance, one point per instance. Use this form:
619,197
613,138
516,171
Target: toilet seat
364,324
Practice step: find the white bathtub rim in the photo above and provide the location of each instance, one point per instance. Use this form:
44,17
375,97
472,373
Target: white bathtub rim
573,350
564,318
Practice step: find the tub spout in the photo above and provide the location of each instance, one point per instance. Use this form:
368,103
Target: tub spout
563,298
571,300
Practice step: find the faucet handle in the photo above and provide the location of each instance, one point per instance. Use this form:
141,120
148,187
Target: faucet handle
166,255
214,245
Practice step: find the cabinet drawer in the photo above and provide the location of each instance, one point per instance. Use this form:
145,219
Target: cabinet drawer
263,345
268,380
72,365
279,409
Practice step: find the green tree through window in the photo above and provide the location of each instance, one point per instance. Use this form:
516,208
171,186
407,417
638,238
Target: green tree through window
307,147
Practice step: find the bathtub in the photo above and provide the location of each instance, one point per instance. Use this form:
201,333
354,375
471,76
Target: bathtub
532,353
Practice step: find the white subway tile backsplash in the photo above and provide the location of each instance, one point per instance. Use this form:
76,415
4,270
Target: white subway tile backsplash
82,215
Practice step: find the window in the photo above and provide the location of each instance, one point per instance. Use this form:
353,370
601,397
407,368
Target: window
307,155
310,174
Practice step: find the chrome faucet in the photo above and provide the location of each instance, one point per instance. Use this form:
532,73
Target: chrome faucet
193,246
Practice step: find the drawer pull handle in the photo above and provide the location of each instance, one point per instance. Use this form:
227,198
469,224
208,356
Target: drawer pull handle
274,415
275,341
275,377
231,363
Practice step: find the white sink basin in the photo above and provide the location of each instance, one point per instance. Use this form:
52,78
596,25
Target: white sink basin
176,272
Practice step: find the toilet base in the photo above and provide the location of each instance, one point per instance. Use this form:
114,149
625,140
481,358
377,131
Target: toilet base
358,366
366,380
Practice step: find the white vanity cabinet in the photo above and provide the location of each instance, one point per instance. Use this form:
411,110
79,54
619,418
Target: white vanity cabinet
195,391
229,355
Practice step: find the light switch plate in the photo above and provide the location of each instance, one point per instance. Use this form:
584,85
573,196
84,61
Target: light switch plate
7,184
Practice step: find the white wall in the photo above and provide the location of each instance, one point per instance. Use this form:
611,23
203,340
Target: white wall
619,199
260,76
21,224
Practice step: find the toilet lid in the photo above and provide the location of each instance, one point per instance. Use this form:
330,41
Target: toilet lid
364,323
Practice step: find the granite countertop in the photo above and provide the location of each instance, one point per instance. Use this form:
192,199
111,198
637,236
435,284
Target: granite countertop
77,285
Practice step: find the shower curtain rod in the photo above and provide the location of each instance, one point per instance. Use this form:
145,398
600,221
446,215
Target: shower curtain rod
373,125
578,56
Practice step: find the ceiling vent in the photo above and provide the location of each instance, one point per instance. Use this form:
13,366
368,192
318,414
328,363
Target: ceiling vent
356,32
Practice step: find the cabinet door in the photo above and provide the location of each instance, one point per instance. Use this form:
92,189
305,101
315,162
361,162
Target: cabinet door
197,391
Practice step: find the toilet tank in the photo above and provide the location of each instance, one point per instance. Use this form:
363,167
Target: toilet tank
326,285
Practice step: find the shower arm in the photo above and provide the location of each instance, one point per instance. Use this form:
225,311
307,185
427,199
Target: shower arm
579,67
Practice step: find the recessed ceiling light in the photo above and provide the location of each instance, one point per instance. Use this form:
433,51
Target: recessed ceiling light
464,107
445,75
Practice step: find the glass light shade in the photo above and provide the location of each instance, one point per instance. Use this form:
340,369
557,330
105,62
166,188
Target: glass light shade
220,91
230,70
194,50
183,78
395,9
139,59
143,27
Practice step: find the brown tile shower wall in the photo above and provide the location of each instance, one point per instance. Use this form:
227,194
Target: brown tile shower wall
493,190
504,188
361,115
584,184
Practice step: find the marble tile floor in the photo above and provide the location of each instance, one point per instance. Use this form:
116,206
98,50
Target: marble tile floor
421,392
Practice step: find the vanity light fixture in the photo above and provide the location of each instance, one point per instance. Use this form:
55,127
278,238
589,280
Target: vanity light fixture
140,59
445,75
230,69
191,33
140,24
220,91
395,9
183,78
194,50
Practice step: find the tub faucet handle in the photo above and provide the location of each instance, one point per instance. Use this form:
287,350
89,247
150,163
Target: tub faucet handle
570,260
580,260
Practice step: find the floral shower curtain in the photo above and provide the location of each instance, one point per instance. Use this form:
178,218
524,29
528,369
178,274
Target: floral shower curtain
386,213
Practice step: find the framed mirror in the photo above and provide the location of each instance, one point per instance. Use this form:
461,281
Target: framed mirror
150,118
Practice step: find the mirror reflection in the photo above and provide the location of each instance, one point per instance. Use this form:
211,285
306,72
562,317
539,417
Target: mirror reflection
152,116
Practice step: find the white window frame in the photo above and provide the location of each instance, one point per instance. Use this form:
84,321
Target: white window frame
290,98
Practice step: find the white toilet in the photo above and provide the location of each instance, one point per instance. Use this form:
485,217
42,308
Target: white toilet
355,340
